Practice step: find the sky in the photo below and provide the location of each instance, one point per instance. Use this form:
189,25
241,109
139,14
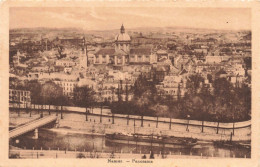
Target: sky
100,18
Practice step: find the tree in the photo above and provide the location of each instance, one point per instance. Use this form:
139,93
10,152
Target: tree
142,102
160,110
84,96
119,93
210,78
193,84
35,88
223,90
139,85
52,94
231,103
242,103
179,93
145,94
126,93
207,106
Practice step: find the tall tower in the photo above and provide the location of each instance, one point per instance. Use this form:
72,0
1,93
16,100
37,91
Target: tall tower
86,50
84,55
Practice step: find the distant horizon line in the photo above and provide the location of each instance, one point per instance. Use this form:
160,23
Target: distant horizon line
112,29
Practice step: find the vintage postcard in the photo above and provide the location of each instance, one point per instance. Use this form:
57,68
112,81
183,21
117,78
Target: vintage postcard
129,83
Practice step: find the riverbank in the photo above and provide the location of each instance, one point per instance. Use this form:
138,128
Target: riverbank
100,125
66,131
64,138
38,154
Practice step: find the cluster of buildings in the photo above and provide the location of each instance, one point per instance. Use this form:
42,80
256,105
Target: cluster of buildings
19,96
113,69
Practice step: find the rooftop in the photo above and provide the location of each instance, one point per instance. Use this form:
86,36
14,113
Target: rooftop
141,51
109,51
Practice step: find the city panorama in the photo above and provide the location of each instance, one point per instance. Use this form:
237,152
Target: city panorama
129,83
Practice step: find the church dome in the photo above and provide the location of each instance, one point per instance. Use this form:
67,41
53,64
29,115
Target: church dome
122,36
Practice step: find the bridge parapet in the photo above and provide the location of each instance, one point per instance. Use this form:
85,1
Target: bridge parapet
31,126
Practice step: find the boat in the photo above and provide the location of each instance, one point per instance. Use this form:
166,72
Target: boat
231,144
151,140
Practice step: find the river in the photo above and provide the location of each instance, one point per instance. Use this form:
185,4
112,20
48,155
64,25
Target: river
62,139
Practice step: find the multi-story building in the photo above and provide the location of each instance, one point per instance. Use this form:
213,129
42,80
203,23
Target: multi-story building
67,87
111,92
213,59
65,63
173,85
19,96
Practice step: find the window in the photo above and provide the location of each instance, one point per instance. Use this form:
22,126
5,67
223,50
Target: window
132,58
147,58
139,58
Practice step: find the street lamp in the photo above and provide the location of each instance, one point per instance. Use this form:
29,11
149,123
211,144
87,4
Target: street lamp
188,117
87,111
101,111
233,124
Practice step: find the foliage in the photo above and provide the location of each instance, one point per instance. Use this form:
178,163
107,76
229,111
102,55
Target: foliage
35,89
47,93
223,102
80,155
52,94
160,110
84,96
145,95
194,83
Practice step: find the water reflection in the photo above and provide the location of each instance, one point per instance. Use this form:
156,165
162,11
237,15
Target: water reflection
53,140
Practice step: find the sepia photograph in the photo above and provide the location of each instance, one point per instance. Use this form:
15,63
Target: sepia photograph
129,84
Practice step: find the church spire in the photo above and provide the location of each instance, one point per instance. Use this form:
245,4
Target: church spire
122,29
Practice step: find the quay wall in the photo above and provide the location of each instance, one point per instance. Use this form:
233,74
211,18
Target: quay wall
111,123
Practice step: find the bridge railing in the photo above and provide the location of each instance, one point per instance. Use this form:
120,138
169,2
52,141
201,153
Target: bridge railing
31,125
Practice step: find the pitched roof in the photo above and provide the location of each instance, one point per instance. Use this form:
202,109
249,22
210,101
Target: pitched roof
183,72
120,53
161,68
161,51
141,51
221,71
106,51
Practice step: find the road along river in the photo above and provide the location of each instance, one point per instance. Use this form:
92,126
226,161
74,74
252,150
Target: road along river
67,137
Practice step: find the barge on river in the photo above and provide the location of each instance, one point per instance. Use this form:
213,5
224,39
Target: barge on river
151,140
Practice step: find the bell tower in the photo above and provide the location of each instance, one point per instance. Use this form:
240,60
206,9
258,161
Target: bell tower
84,55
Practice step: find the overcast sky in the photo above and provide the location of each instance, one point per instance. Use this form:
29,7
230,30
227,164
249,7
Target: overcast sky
111,18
